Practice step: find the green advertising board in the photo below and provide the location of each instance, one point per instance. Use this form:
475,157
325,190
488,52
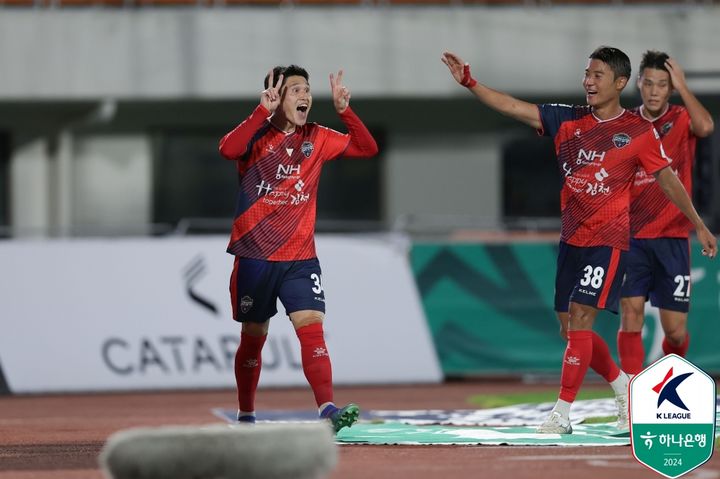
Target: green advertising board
490,309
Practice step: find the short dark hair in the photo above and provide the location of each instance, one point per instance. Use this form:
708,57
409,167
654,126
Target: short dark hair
615,58
653,59
288,71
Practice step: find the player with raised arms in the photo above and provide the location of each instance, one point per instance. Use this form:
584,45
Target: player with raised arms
599,147
279,157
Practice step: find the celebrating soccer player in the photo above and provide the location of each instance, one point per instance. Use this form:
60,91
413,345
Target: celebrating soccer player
658,263
599,147
279,156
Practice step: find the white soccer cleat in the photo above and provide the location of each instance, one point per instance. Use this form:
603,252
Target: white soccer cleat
621,400
555,424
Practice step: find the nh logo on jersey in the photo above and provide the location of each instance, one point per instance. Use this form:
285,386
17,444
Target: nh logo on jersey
621,140
672,416
287,171
585,157
666,128
307,149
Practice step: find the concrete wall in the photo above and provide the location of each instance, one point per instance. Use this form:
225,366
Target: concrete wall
440,182
82,186
30,190
113,184
220,52
442,150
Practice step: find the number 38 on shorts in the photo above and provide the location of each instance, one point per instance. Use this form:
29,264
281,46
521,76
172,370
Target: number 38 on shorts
589,275
593,276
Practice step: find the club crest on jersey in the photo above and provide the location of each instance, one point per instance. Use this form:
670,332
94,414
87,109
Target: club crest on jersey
666,127
621,140
246,302
307,149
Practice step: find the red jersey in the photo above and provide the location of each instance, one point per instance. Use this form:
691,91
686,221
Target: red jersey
652,214
278,174
598,160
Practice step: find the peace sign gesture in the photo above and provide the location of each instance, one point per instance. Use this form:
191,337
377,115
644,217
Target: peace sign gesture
270,97
340,93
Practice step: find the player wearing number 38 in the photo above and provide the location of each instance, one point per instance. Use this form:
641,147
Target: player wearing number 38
599,147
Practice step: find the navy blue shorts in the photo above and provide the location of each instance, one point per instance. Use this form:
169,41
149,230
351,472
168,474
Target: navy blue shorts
589,275
659,270
256,285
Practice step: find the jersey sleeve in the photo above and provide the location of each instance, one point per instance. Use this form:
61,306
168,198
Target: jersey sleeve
235,144
652,156
684,118
334,143
552,115
362,144
358,143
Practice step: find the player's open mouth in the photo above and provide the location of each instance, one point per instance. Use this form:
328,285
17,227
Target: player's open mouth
302,108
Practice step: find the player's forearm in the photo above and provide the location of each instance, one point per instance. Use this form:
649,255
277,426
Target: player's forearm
675,191
700,119
234,144
362,144
507,105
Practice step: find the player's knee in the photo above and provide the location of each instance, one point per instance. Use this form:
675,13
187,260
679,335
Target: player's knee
255,329
306,318
631,320
581,317
676,336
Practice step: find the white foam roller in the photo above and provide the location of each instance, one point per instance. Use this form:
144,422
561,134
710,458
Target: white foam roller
261,451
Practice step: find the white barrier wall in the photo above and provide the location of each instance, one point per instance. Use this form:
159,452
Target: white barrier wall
92,315
395,51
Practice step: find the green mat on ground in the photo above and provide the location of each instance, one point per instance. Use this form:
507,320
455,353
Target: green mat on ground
405,434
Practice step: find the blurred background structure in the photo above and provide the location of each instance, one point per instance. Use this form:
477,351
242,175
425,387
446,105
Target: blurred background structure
111,112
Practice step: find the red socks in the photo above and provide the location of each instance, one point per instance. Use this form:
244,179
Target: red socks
578,354
248,362
316,362
680,350
631,351
602,361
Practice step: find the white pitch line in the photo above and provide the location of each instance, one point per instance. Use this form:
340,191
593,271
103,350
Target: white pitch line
572,457
704,474
604,463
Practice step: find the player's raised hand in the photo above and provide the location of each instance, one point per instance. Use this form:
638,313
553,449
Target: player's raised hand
270,97
459,69
340,93
677,75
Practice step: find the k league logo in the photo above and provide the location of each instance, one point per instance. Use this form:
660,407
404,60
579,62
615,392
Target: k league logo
667,391
672,416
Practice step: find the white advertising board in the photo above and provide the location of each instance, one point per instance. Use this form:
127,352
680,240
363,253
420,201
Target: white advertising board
154,313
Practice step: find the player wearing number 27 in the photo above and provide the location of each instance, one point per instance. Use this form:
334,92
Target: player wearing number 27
279,157
659,259
599,147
